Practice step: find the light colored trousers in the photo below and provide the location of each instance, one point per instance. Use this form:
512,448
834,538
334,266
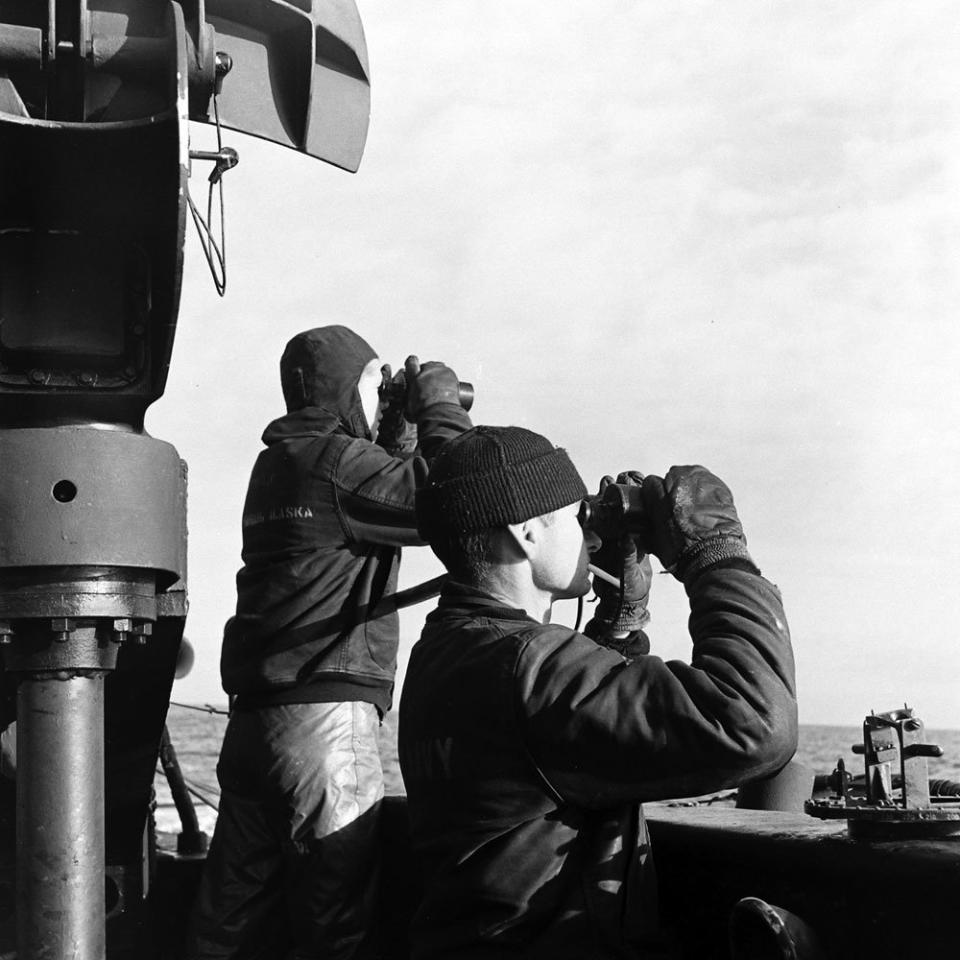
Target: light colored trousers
293,864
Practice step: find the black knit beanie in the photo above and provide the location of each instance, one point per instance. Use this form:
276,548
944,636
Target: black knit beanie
492,476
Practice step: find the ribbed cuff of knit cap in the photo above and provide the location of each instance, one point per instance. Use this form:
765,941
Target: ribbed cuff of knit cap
492,476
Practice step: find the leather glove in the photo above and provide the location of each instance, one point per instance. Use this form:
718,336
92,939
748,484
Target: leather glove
692,522
395,433
428,384
626,612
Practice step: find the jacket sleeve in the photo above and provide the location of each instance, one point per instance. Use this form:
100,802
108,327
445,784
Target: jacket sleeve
437,424
375,490
603,729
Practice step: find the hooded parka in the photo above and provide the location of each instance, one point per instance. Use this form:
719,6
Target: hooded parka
310,659
325,516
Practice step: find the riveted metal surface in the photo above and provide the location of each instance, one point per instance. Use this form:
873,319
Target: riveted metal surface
84,496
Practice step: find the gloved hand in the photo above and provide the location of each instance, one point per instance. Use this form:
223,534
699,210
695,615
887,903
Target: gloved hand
627,611
692,521
395,433
429,384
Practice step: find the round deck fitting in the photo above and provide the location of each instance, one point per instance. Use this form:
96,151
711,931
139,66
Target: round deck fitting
874,822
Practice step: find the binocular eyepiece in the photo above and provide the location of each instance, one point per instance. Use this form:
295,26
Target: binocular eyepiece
394,390
615,512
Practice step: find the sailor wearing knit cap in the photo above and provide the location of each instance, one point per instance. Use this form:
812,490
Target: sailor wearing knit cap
527,747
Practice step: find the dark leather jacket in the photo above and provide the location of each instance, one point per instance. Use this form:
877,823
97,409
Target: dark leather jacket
326,513
526,750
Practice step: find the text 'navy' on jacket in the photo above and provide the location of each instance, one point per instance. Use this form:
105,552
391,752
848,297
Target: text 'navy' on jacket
325,515
526,749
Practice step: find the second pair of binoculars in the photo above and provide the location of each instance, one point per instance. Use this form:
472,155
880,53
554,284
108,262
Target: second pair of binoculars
618,510
393,389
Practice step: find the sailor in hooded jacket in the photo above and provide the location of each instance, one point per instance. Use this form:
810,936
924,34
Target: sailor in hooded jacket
527,747
309,658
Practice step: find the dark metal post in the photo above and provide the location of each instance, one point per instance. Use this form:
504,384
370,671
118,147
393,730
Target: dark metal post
60,820
192,840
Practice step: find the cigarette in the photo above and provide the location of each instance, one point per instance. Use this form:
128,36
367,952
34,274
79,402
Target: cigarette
603,575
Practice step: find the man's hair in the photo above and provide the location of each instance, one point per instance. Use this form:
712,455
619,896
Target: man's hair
469,557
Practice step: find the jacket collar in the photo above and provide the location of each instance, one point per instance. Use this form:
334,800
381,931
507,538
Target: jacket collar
305,422
461,600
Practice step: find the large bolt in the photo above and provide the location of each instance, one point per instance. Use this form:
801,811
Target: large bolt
222,65
62,627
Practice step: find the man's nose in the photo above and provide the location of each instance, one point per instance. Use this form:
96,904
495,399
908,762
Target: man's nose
592,541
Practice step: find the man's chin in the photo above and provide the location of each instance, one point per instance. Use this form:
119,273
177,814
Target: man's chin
579,588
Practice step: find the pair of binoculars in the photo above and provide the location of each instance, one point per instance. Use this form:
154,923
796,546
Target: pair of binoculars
394,390
615,512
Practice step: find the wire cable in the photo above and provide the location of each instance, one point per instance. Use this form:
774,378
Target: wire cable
196,790
206,708
215,253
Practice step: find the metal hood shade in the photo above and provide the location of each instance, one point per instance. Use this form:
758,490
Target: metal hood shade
300,75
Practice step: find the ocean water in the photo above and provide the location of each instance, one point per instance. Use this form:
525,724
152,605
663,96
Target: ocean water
197,733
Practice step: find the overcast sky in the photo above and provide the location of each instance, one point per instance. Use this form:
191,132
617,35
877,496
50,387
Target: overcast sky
709,233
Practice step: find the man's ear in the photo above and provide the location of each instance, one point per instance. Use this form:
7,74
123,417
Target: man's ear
524,536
